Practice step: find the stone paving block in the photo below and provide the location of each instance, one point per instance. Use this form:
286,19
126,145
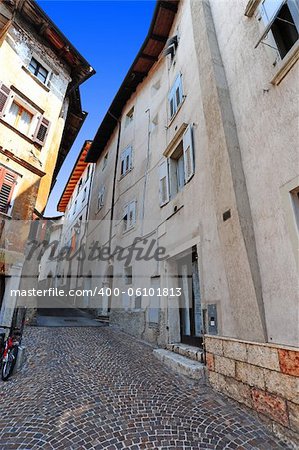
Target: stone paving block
263,356
289,361
98,388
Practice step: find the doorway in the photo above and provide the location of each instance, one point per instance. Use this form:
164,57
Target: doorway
190,302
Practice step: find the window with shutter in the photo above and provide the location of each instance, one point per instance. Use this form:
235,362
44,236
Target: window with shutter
101,197
175,96
7,184
42,130
188,154
4,97
126,161
163,183
129,215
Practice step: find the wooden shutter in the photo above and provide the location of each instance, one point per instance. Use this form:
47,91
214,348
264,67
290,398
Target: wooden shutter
42,131
163,183
4,97
7,184
188,154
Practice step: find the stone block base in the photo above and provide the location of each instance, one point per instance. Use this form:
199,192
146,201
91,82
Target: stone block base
264,377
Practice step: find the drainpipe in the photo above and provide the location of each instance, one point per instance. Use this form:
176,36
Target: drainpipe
114,178
146,168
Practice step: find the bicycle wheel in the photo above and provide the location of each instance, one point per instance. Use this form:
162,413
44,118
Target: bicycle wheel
9,363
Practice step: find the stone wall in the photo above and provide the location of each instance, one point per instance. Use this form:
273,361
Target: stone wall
264,377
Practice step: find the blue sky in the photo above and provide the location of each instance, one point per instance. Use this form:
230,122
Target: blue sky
108,34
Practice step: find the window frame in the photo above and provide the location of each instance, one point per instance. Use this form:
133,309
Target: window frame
38,119
40,65
126,154
130,207
173,105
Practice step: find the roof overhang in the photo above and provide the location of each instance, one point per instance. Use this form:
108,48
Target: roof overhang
153,45
78,169
34,15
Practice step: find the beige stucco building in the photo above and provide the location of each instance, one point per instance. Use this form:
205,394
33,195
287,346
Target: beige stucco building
40,117
199,152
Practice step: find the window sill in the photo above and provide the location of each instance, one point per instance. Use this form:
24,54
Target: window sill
251,7
123,175
286,64
40,83
3,121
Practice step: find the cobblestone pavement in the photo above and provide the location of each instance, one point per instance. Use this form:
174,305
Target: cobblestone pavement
95,388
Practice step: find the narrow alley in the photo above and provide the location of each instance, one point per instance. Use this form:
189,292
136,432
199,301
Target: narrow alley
84,388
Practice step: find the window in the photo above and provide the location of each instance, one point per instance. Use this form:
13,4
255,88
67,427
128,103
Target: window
75,207
8,181
101,197
295,203
79,186
22,116
171,46
84,194
281,20
126,161
105,160
87,173
38,70
19,117
176,170
129,216
175,96
129,116
128,275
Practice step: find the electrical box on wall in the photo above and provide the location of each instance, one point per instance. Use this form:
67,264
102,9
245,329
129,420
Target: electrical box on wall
212,319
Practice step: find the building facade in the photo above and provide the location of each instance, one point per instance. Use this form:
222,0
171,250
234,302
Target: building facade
40,117
197,155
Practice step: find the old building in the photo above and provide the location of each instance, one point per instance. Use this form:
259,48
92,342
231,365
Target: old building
198,155
74,203
40,117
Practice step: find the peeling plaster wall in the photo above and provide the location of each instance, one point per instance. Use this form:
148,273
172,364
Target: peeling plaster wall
20,45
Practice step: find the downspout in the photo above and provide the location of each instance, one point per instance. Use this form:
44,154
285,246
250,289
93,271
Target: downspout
114,179
146,168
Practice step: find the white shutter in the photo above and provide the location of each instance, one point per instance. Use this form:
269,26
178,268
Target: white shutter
163,183
188,154
4,97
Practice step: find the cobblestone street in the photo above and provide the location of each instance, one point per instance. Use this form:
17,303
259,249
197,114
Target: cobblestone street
95,388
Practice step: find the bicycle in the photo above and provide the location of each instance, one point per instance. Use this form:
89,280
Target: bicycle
9,348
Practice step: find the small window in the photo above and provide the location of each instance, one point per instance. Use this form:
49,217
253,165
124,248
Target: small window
128,276
176,170
175,96
281,20
75,207
130,116
126,161
38,70
171,46
295,203
19,117
79,186
84,194
101,197
129,218
87,173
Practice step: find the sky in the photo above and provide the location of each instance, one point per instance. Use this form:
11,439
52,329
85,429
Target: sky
108,34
